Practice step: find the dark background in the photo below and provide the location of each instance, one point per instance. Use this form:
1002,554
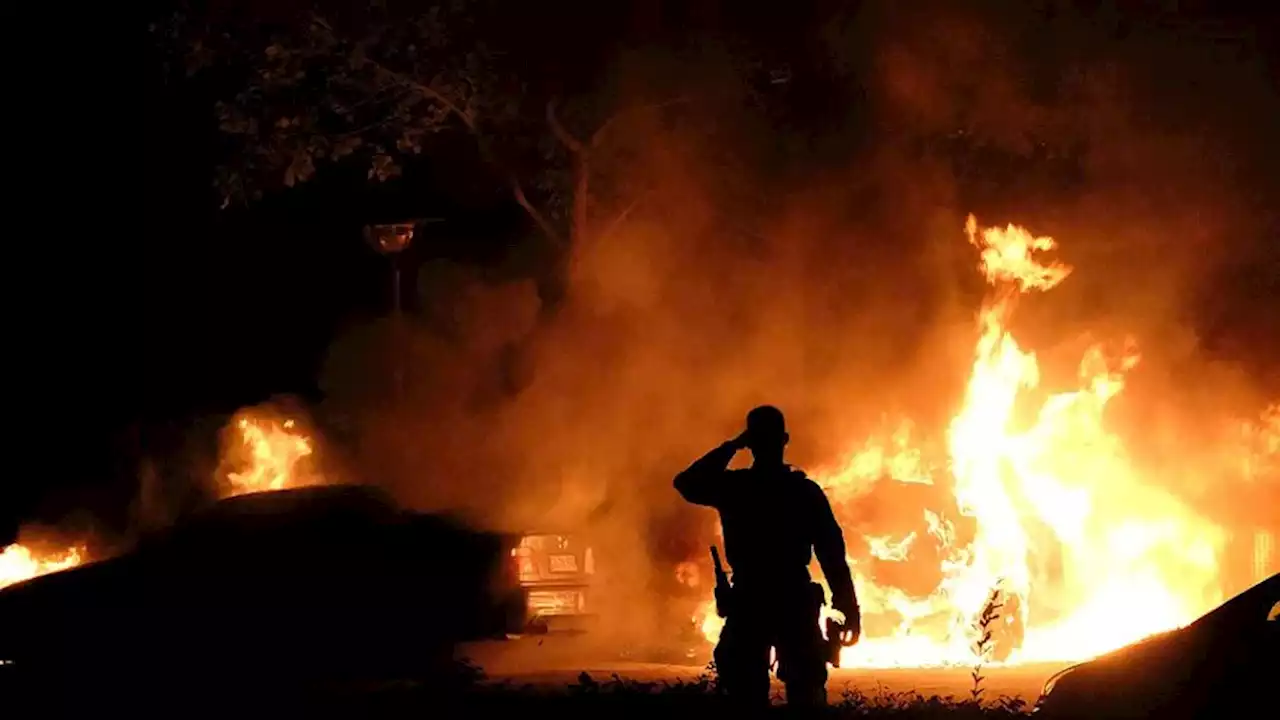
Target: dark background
139,305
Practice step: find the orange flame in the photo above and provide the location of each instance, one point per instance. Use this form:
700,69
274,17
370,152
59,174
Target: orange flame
19,563
273,453
1085,556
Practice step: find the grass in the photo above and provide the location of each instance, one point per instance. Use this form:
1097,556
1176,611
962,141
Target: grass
623,698
469,695
466,694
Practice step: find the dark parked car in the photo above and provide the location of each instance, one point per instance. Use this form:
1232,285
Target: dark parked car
1224,665
325,582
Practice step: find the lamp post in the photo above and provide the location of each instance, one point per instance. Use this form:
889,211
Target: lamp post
391,240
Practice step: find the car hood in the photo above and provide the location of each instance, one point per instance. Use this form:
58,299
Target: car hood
1179,655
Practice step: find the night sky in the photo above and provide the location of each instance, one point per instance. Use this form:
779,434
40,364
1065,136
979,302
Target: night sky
133,324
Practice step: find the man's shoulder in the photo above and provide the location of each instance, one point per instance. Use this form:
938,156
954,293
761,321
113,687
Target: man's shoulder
802,478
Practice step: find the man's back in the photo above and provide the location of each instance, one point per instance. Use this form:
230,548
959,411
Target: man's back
770,519
774,519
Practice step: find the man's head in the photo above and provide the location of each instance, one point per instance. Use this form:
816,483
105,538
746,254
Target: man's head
766,435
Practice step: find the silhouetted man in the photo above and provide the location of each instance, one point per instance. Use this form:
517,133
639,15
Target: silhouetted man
774,520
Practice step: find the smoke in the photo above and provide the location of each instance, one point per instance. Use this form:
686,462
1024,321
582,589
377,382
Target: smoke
839,288
1140,145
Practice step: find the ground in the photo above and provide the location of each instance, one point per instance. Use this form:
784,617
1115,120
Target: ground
552,661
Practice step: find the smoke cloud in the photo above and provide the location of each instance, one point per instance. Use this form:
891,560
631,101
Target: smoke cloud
830,274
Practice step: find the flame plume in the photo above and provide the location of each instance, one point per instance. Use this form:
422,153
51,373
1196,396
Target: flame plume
19,563
1050,514
273,457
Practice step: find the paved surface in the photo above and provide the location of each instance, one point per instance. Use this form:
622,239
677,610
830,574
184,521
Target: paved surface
551,663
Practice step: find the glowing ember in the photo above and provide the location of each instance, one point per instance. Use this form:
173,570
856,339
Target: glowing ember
273,451
19,563
1046,509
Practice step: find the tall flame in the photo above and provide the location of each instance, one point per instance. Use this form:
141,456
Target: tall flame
1050,517
273,453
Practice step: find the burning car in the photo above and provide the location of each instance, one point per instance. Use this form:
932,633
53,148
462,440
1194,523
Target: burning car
1222,665
314,581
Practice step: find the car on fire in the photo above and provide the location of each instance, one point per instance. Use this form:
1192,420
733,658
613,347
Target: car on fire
316,581
1224,664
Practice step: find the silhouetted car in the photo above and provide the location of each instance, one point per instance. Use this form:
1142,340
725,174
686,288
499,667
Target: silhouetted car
325,582
1224,665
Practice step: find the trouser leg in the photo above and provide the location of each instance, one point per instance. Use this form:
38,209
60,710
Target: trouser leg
742,662
802,661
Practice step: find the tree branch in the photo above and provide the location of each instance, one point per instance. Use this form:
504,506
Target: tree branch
622,216
582,162
577,146
581,172
404,80
487,151
599,133
538,218
517,189
568,140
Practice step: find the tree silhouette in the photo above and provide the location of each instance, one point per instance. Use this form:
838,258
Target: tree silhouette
381,90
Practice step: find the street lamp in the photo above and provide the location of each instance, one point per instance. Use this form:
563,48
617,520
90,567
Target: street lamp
391,240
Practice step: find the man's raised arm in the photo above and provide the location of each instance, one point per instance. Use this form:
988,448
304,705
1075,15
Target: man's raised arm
702,483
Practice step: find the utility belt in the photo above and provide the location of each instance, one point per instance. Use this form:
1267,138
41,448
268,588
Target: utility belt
806,596
768,591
